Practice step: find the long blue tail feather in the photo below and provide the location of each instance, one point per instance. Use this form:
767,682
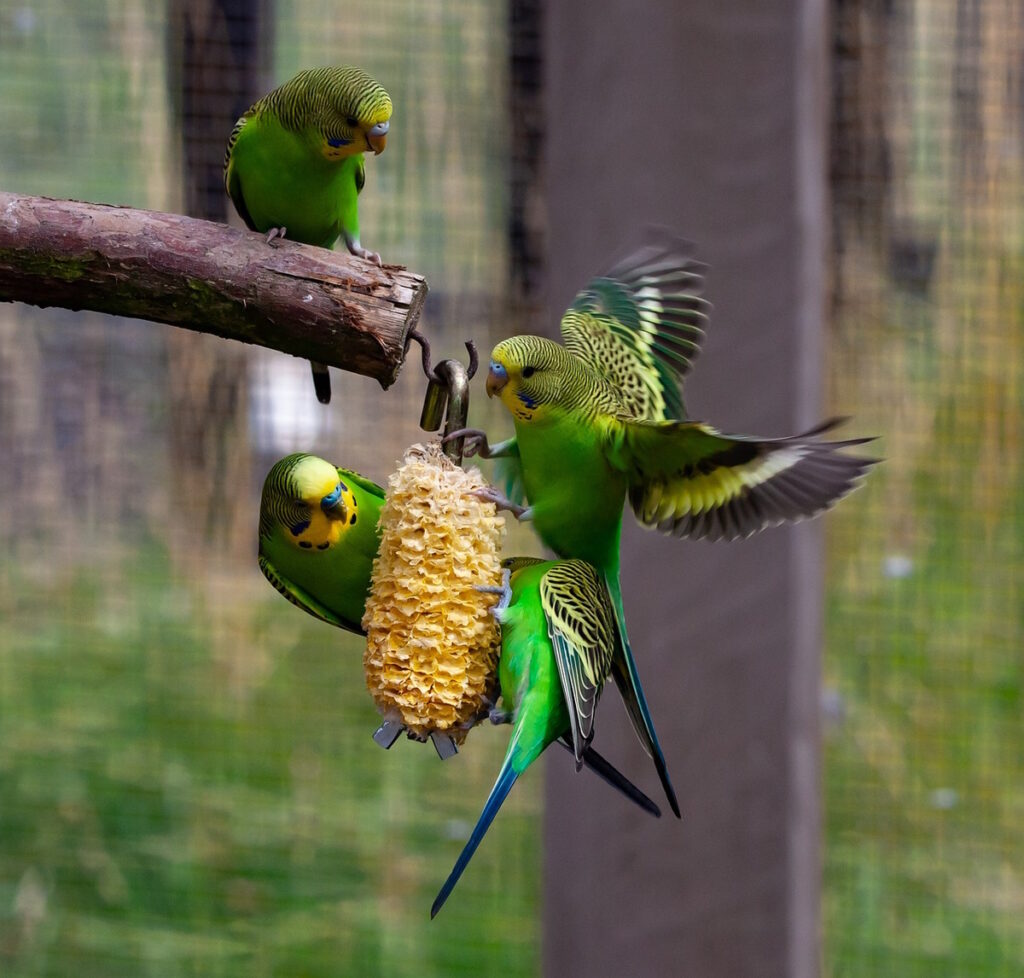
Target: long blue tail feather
610,774
506,778
628,680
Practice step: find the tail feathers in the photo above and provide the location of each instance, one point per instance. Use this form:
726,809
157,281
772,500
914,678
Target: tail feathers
506,778
628,680
610,774
321,382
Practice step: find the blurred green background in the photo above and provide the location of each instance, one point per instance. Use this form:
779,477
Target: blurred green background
187,784
187,780
924,665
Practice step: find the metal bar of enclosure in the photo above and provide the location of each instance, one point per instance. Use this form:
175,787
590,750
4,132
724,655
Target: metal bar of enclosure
709,118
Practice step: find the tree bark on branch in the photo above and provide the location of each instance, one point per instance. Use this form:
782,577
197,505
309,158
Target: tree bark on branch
306,301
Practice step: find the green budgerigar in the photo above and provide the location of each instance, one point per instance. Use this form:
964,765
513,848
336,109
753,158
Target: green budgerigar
319,537
558,641
599,420
294,163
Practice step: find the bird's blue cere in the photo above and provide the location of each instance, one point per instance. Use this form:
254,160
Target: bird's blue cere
330,502
497,378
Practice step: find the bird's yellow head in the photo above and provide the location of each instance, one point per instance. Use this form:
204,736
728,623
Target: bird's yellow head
307,503
354,113
527,373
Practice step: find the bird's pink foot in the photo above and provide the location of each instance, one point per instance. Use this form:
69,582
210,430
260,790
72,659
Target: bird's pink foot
360,252
490,494
475,443
504,591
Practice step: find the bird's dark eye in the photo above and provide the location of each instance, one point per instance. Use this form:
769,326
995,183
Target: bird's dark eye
352,121
529,371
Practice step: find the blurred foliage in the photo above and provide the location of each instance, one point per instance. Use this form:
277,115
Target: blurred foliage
190,787
187,780
925,628
83,111
187,784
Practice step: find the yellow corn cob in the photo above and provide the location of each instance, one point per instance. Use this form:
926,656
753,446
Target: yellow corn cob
431,643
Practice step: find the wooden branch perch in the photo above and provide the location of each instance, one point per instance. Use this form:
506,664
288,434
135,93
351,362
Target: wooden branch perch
310,302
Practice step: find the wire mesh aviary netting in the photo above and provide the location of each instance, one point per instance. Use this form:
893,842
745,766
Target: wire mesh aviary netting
187,781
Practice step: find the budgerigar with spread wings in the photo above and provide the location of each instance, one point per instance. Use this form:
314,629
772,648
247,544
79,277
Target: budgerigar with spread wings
599,419
558,640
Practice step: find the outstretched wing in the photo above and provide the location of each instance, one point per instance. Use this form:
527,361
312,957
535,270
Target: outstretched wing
640,326
582,631
689,480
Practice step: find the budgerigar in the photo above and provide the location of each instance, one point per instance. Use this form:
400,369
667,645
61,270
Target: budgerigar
318,537
597,420
558,641
294,162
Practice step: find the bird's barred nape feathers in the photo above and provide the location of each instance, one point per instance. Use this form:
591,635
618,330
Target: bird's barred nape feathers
322,93
280,505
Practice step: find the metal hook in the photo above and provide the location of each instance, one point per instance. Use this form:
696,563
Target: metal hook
434,403
447,394
416,335
456,378
428,370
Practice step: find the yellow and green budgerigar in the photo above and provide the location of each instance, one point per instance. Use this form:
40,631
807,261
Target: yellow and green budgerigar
599,419
558,641
295,161
319,537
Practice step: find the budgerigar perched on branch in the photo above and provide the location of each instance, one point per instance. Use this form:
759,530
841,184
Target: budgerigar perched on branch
558,640
319,536
598,420
294,163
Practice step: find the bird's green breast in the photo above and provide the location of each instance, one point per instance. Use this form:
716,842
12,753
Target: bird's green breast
577,497
528,672
286,182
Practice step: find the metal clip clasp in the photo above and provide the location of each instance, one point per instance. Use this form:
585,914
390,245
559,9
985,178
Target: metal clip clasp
447,394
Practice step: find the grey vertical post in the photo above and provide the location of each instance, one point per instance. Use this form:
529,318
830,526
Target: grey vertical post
708,117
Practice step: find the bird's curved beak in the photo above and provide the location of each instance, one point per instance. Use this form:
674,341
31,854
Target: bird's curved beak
377,136
333,505
497,378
